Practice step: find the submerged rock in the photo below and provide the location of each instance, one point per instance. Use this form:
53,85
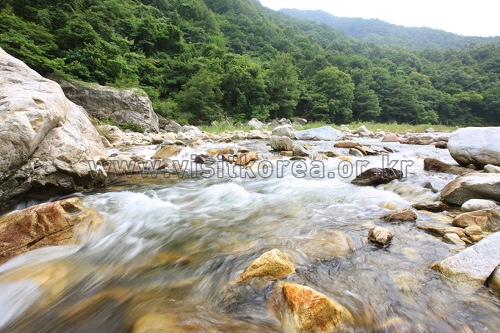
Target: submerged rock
475,145
472,186
405,215
326,244
377,176
271,265
474,265
46,140
302,309
380,235
52,223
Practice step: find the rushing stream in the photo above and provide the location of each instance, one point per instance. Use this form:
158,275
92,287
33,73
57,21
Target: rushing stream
173,246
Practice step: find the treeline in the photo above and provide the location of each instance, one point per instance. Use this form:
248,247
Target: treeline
201,61
383,33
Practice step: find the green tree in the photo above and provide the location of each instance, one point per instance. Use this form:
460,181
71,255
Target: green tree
366,105
282,87
332,95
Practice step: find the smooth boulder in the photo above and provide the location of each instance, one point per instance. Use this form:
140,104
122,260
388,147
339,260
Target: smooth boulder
285,130
46,140
478,204
270,265
472,186
471,267
281,143
326,133
475,145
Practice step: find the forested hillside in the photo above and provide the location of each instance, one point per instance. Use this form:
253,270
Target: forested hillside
383,33
201,61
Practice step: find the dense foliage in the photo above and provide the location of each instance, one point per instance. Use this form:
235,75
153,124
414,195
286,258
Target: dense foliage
201,61
381,32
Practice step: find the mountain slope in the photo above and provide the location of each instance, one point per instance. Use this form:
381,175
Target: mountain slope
383,33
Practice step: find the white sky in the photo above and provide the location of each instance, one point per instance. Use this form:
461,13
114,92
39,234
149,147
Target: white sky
468,18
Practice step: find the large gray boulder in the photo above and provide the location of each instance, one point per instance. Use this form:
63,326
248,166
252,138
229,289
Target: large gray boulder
472,266
475,145
285,130
472,186
46,140
325,133
119,105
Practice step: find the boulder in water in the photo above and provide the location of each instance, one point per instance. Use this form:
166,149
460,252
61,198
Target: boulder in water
270,265
405,215
377,176
325,133
475,145
281,143
488,220
285,130
380,235
471,186
478,204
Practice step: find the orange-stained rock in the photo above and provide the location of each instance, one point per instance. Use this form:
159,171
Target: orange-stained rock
246,158
302,309
400,216
272,265
52,223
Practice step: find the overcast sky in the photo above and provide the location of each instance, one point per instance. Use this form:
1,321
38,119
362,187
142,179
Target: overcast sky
469,18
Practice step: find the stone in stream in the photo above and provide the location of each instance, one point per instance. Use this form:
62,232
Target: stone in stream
299,150
246,158
432,164
475,145
281,143
326,244
489,168
302,309
405,215
325,133
472,186
52,223
391,137
434,207
377,176
204,159
453,239
488,220
478,204
285,130
441,145
356,152
347,144
271,265
471,267
166,152
380,235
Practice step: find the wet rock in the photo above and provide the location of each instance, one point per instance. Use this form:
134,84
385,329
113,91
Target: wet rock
204,159
356,152
329,153
405,215
455,230
433,230
391,137
453,239
271,265
286,153
434,207
120,105
302,309
46,141
326,133
246,158
281,143
380,235
472,186
494,282
488,220
489,168
347,144
166,152
472,266
285,130
299,150
441,145
377,176
478,204
257,135
326,244
432,164
475,145
190,131
418,139
256,123
221,151
47,224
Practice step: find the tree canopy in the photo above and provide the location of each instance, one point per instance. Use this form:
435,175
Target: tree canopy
201,61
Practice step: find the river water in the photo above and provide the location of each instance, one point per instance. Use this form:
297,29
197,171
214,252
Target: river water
172,246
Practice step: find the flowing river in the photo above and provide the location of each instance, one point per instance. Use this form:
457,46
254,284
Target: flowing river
173,246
